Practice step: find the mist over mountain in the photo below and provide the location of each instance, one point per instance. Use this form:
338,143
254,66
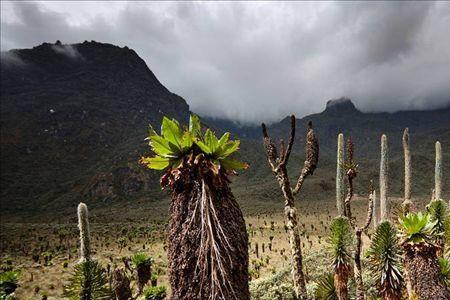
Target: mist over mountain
342,116
74,119
260,62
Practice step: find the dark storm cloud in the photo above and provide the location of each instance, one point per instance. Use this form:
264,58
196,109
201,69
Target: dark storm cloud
261,61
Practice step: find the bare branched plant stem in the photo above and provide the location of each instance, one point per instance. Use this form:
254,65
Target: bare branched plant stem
340,173
278,164
407,203
384,173
360,292
351,170
438,173
312,157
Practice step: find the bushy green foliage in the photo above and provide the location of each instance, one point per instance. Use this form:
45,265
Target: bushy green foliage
447,236
174,143
438,212
384,257
88,282
416,227
315,270
340,241
325,288
141,258
276,286
8,283
445,270
447,229
155,293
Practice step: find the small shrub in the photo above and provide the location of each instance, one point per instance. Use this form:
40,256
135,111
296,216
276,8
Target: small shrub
44,296
277,286
88,282
141,259
8,283
325,288
155,293
445,270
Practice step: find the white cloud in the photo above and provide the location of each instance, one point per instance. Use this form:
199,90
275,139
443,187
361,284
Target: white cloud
263,60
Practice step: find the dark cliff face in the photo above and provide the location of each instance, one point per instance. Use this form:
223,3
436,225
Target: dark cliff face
341,106
74,113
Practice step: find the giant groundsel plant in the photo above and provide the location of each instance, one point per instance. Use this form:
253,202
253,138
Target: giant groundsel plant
384,256
207,237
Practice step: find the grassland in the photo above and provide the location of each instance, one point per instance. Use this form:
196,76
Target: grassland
46,253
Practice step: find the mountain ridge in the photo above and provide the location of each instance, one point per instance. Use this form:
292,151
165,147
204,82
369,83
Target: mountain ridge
74,119
72,126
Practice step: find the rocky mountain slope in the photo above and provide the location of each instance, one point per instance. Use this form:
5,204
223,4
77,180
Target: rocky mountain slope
73,123
74,119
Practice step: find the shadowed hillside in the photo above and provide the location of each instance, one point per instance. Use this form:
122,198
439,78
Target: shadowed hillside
73,123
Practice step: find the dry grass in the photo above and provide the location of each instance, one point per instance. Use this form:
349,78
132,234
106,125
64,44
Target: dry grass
112,242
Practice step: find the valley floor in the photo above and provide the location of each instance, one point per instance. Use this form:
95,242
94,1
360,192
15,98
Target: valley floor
46,253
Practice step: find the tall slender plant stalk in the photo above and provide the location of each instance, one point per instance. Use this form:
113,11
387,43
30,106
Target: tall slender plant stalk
351,171
340,173
376,206
83,226
384,173
360,291
407,203
438,172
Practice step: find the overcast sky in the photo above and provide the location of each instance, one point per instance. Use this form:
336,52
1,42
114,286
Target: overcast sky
261,61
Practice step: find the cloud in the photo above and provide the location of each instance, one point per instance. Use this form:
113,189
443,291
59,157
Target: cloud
67,50
263,60
10,58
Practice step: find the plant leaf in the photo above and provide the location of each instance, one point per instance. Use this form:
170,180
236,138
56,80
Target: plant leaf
194,125
151,131
203,147
211,141
187,141
229,148
156,163
163,147
232,164
171,131
225,137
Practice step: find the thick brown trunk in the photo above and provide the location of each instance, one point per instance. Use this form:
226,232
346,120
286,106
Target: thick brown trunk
197,228
389,294
144,273
423,273
340,283
121,283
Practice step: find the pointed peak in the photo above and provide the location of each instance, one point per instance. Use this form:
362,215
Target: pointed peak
342,105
